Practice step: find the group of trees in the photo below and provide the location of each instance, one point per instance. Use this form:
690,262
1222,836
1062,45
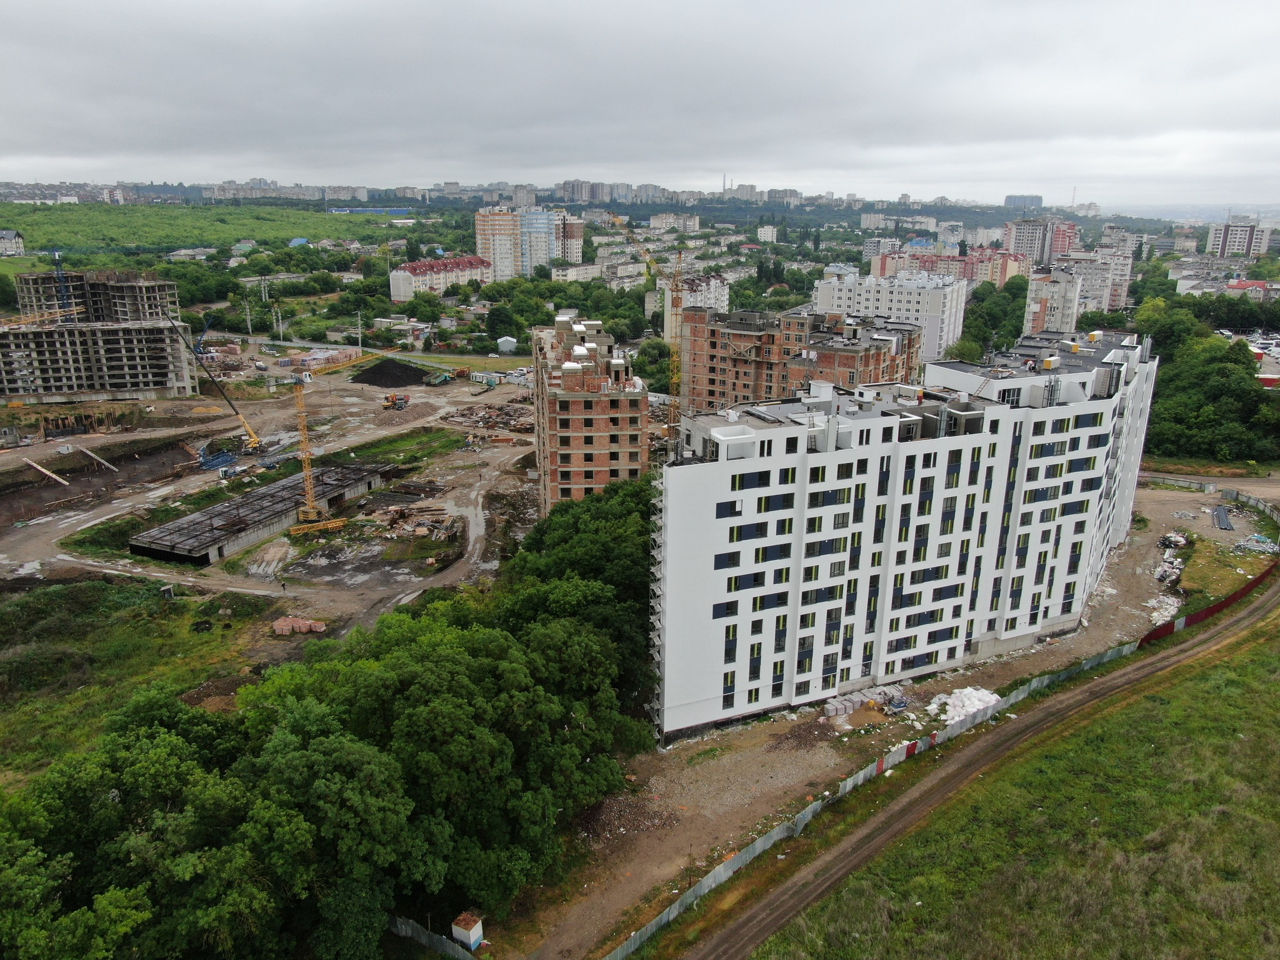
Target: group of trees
429,764
774,287
992,319
1208,401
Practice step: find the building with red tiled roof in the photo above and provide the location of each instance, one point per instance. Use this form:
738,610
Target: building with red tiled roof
437,275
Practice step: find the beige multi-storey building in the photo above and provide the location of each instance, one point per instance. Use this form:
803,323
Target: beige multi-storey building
981,264
498,241
516,241
591,412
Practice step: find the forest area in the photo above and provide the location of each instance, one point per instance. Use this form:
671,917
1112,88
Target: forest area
433,763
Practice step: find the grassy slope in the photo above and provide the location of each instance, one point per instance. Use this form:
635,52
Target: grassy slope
1151,832
84,649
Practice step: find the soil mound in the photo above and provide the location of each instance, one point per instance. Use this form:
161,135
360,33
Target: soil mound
390,373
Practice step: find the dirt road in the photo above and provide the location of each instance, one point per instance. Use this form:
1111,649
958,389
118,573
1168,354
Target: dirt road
814,881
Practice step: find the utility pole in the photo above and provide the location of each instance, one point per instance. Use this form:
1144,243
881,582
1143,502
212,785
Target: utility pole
248,313
360,330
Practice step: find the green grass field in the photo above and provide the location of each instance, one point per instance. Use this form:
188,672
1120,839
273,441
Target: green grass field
75,652
1147,833
416,446
100,228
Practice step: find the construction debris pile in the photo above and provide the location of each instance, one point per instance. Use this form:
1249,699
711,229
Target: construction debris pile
890,696
421,519
958,704
510,417
1256,543
1170,570
1163,608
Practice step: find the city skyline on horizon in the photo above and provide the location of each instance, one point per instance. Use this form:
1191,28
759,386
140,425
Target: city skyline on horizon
1137,106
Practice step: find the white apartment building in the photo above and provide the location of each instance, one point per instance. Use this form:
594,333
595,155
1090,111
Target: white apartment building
1104,276
767,234
933,301
437,275
1239,236
683,222
811,547
700,290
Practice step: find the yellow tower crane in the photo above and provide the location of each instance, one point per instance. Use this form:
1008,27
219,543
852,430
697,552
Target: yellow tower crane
675,335
309,511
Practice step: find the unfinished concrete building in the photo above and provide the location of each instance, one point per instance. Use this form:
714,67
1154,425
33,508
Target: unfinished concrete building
591,413
100,335
224,529
745,357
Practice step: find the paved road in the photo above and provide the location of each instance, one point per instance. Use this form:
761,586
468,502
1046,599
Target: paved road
741,935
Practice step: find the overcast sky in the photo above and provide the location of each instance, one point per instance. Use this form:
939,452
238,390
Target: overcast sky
1119,101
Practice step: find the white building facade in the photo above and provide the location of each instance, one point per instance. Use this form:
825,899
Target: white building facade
1239,236
811,547
933,301
437,275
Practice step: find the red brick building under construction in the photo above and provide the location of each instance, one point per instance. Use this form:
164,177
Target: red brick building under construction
591,412
744,357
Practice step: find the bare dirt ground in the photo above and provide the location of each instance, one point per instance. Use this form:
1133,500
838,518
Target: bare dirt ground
695,803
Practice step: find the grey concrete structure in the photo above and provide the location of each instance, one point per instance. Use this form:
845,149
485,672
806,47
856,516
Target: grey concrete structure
224,529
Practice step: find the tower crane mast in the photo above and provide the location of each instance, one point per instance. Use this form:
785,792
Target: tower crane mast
674,336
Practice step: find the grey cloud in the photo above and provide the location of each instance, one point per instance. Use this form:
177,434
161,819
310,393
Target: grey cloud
1123,101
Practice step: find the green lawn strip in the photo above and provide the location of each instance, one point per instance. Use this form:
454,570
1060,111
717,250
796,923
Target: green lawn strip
406,449
79,651
1148,832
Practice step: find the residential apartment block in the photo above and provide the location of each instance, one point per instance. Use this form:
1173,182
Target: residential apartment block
682,222
1104,276
1053,303
813,546
728,358
515,241
767,234
1239,236
979,265
935,303
591,413
1040,239
699,290
437,276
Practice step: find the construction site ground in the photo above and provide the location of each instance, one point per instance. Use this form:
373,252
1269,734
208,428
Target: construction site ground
345,591
695,803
